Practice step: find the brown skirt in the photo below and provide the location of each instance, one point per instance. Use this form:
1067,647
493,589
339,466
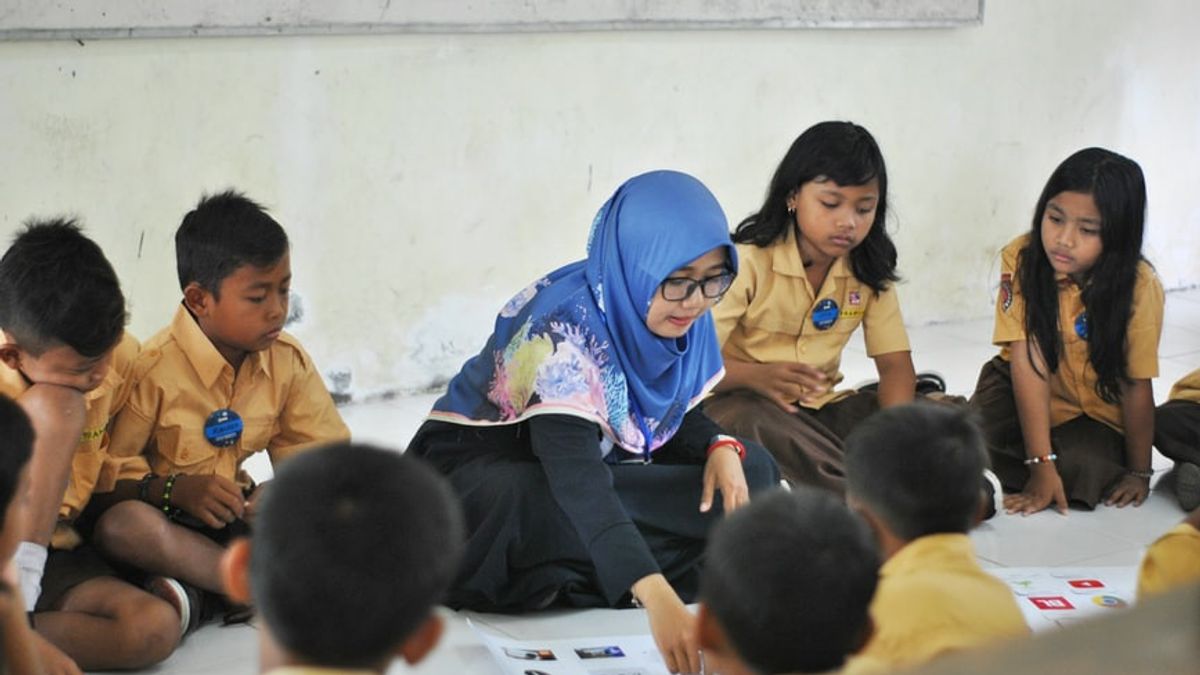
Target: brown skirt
808,445
1091,455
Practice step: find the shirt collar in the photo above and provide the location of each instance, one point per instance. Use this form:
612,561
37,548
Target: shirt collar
112,382
202,353
930,551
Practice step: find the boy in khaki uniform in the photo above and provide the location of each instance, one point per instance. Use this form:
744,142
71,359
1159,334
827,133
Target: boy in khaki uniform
1177,435
913,472
66,358
219,383
786,586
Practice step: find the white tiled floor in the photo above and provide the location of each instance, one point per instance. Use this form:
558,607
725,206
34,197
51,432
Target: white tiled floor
1105,537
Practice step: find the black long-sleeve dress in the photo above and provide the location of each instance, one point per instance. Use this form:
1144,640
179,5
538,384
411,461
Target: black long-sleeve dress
552,521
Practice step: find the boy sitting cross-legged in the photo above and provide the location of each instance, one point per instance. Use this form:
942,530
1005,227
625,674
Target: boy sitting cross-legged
66,359
219,383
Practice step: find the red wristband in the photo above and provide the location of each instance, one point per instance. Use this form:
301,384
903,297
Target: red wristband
728,441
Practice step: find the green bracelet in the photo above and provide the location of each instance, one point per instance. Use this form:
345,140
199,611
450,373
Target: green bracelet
166,496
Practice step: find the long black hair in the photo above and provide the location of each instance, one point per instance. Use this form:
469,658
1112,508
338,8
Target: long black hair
1117,186
847,154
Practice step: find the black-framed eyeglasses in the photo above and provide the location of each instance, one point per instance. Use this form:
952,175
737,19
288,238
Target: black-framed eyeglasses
678,289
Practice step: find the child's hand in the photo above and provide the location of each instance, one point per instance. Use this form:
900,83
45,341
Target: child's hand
1043,487
1129,490
723,471
252,503
215,500
785,383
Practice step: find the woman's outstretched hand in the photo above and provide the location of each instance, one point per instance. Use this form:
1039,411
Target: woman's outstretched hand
671,623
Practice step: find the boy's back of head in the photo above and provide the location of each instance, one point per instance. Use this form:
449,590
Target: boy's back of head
352,547
56,287
789,579
224,232
917,468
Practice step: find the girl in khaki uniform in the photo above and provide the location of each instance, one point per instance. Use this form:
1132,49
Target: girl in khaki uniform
816,264
1067,406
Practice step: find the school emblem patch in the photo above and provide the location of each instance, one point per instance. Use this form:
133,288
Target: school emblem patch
1006,292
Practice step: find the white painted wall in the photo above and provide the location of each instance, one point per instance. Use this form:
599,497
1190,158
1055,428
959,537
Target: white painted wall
425,178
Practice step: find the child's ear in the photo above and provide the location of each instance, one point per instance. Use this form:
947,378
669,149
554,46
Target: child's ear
197,299
422,640
235,571
710,637
889,543
720,656
10,354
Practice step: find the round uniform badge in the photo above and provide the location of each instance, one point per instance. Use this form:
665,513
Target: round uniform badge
223,428
1081,325
825,314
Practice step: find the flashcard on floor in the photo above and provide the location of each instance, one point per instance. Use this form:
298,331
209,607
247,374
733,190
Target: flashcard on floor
611,655
1055,597
1056,602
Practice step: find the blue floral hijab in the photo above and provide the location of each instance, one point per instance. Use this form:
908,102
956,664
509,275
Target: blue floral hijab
575,342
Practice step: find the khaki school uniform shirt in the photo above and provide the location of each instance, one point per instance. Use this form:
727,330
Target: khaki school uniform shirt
180,379
934,598
1187,389
1073,385
1171,561
88,467
767,315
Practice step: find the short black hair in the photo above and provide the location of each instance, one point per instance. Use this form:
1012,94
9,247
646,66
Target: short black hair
224,232
16,446
56,287
790,579
352,547
918,467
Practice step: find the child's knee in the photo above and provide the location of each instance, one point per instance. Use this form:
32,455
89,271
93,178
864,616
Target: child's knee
129,525
51,406
147,628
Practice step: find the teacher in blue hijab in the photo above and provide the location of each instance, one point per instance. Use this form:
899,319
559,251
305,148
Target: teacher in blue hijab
587,472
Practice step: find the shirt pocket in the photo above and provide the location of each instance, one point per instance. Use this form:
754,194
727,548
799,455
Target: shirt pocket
774,319
188,452
257,432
